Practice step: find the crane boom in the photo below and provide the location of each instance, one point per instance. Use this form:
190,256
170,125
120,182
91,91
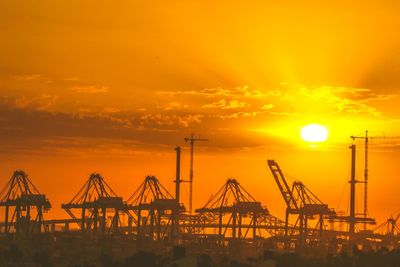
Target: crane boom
283,185
302,203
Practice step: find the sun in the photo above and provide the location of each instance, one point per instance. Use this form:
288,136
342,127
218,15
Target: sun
314,133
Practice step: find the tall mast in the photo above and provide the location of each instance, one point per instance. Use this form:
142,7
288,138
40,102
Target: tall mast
192,139
353,182
366,178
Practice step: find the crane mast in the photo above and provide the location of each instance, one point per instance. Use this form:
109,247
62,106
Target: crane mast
192,139
367,139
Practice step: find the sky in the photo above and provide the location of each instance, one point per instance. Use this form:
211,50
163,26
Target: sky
113,87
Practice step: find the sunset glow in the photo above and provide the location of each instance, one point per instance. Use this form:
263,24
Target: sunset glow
113,88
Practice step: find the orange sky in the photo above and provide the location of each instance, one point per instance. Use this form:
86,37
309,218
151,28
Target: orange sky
113,87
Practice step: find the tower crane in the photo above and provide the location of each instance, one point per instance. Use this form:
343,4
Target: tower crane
365,182
192,139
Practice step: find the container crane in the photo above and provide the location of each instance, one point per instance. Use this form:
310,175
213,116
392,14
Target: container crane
25,204
93,201
154,210
389,227
300,201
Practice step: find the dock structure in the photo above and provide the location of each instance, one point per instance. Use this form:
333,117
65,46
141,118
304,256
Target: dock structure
24,206
90,206
235,213
154,210
304,205
151,215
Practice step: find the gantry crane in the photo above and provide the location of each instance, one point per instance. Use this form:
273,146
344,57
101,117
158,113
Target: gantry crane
389,231
235,213
94,200
228,209
389,227
300,201
21,198
155,210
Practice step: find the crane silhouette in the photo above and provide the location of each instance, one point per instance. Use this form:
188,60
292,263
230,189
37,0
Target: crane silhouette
191,140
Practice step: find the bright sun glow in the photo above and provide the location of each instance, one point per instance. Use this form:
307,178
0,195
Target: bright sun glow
314,133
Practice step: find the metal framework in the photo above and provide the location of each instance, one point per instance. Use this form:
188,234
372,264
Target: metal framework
367,138
236,214
387,234
24,203
94,200
302,203
354,219
389,230
154,210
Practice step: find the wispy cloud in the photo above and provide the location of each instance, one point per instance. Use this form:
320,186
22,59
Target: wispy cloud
211,109
241,114
241,91
287,100
170,120
71,79
267,107
170,106
226,104
345,100
89,89
112,110
28,77
42,102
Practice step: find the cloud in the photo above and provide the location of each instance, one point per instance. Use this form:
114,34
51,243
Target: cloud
210,110
89,89
43,102
40,124
267,107
28,77
288,100
241,91
170,120
241,114
111,110
71,79
343,100
173,106
224,104
110,114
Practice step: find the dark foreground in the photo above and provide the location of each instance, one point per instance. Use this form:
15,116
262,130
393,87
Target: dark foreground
12,255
